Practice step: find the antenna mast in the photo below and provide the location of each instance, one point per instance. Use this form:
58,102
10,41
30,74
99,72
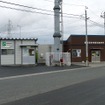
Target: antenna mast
9,28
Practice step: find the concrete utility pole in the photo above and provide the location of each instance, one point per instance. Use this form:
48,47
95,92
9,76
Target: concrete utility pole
103,16
86,39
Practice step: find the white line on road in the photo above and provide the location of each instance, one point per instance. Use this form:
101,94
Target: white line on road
36,74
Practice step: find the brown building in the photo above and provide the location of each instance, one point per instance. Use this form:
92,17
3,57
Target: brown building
77,46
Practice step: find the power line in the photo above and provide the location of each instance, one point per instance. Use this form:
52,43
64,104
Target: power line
98,24
71,14
45,10
97,17
49,0
67,3
11,3
24,10
94,13
20,5
75,5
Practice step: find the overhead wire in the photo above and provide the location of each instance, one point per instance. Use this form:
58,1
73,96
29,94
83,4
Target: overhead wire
20,5
16,4
97,17
24,10
44,13
92,23
97,24
67,3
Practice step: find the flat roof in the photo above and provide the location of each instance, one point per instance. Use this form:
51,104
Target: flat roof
85,35
19,39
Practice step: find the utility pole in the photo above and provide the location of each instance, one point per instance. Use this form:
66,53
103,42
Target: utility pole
20,29
86,38
103,16
9,28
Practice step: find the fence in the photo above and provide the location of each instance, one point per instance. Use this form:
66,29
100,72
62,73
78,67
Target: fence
53,58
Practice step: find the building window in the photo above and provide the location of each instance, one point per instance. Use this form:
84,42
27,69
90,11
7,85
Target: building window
31,52
25,51
7,51
28,52
76,53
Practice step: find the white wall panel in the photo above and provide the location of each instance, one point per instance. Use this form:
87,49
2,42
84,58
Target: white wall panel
7,59
18,52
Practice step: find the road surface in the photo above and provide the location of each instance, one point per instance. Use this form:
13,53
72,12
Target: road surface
83,86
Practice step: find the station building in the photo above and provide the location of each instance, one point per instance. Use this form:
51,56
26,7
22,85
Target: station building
76,44
18,51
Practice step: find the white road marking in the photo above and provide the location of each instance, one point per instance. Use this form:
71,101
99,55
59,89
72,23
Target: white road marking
36,74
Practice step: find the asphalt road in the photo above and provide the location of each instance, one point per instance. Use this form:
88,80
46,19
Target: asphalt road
6,71
87,93
83,86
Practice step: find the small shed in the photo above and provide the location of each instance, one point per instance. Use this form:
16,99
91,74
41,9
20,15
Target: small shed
18,51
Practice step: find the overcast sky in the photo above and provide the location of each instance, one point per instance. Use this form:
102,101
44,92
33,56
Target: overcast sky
41,26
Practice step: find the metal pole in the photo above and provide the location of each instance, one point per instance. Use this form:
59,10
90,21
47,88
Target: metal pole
9,28
50,53
86,38
20,29
104,23
103,16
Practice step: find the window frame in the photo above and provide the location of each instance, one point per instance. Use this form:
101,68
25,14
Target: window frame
76,53
7,51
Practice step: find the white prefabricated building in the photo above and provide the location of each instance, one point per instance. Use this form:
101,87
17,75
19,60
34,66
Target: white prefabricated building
18,51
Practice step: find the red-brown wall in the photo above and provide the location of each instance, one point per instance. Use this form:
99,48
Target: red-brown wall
96,42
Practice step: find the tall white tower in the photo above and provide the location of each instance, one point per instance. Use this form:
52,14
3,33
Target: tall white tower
57,34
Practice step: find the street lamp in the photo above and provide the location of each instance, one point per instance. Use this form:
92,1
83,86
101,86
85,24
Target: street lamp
20,29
